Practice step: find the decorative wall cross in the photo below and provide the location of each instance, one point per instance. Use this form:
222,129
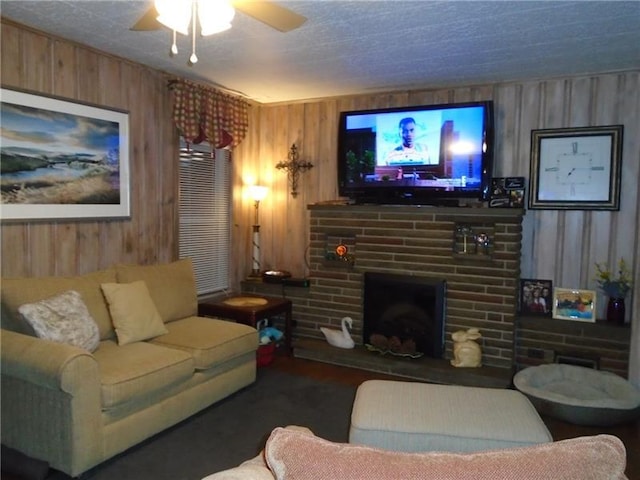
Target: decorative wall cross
294,167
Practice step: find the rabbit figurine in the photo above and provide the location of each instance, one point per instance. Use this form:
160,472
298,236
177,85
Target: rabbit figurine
466,352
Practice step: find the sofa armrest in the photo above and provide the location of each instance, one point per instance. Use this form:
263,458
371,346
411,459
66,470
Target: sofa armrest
51,406
43,363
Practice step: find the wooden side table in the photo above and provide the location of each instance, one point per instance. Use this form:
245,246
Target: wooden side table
250,310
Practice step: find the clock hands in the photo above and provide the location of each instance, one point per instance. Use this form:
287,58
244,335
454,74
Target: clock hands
557,169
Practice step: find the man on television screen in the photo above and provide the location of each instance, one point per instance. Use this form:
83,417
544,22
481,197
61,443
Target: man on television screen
409,152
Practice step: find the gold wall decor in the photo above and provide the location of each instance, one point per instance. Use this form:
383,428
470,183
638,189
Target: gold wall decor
294,168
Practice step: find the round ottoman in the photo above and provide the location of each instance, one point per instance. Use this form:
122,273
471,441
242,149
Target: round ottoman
579,395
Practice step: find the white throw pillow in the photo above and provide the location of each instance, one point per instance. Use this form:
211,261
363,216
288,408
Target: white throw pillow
63,318
135,316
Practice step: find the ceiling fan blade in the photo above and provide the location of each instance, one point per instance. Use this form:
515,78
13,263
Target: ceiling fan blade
274,15
147,21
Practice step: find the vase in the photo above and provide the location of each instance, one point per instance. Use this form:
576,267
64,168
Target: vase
615,310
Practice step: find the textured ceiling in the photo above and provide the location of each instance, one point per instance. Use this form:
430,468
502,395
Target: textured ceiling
365,46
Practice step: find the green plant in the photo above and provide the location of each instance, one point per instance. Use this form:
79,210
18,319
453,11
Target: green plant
616,287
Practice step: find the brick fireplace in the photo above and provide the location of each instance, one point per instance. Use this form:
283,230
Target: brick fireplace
482,286
482,290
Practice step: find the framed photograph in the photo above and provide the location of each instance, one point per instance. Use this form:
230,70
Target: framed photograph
576,168
571,304
536,297
507,192
61,159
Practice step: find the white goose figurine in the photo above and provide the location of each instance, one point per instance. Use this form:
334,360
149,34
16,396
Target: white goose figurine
339,338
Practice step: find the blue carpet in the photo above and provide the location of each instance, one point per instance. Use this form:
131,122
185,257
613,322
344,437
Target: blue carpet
235,429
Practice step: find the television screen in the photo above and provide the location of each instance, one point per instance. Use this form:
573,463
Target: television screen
425,154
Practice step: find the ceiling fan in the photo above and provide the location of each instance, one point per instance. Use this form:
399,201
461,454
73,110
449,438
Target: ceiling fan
267,12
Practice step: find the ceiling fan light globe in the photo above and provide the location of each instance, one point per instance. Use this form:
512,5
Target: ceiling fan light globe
218,28
215,16
174,14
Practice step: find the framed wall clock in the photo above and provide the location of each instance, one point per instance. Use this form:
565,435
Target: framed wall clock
576,168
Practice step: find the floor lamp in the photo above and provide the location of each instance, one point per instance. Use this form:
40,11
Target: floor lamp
258,193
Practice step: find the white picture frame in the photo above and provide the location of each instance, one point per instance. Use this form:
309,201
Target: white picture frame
574,304
62,160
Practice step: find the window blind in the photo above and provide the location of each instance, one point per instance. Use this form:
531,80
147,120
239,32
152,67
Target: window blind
205,215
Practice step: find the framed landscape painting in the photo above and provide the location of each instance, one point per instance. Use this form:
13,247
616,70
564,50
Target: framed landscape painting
62,160
574,304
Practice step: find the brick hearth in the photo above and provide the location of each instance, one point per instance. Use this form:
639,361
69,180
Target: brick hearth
426,369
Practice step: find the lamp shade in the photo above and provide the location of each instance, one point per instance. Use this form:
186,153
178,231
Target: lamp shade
258,192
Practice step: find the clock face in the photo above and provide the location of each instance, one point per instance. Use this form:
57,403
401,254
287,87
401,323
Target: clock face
576,170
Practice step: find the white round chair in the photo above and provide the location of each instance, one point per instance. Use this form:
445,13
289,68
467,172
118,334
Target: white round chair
579,395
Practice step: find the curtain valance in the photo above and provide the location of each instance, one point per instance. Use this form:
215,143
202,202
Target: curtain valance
203,113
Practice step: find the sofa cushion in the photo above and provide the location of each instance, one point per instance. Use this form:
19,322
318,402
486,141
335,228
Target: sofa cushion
18,291
63,318
172,286
136,370
135,316
210,341
294,456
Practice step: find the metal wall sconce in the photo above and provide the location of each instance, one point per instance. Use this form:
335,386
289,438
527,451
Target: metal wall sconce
294,168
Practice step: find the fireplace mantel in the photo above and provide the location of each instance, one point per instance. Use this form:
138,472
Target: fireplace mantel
345,208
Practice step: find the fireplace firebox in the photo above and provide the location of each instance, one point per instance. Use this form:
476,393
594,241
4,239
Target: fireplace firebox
404,315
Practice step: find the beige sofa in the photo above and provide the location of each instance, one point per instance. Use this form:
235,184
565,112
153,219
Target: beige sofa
149,369
294,453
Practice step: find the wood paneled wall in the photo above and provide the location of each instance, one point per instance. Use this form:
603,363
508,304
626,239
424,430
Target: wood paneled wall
557,245
43,64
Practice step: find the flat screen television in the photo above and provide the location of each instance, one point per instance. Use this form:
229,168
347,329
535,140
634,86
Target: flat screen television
429,154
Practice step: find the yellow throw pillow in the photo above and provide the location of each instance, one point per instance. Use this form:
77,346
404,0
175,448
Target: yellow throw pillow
135,316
